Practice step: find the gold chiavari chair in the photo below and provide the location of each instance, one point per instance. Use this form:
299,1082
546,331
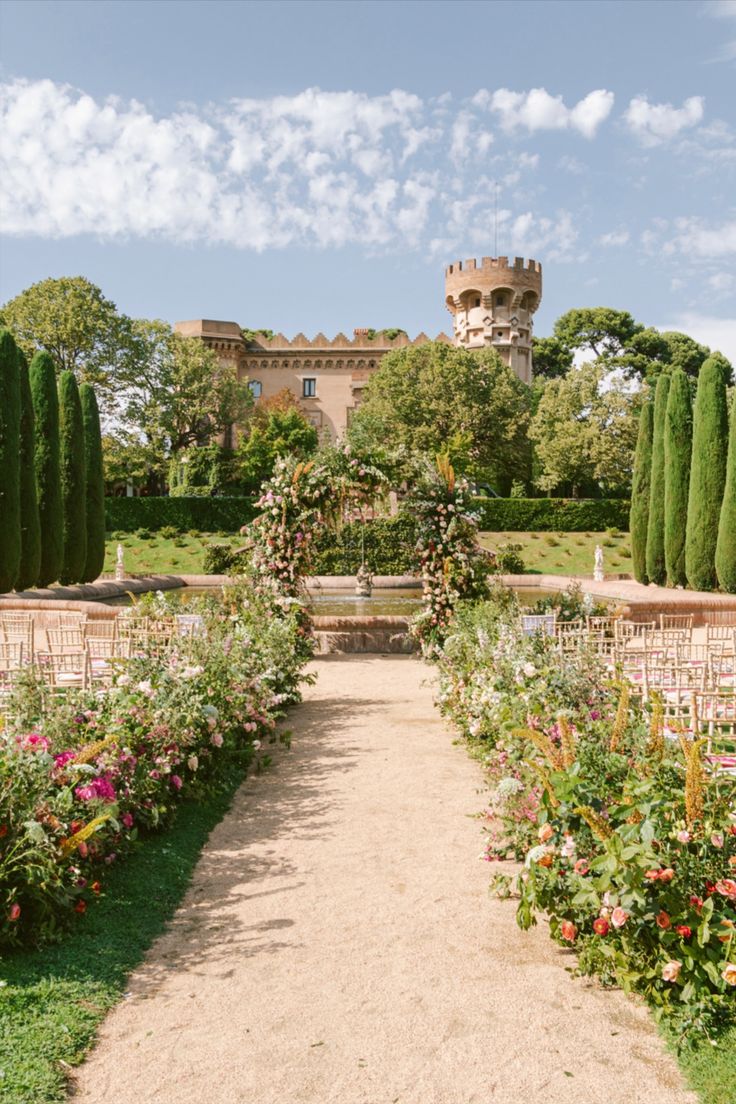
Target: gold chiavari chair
97,628
65,640
18,627
676,621
62,671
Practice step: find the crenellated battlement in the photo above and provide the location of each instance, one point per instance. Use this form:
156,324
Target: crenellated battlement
491,263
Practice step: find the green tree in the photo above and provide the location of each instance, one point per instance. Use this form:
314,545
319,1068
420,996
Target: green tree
73,480
603,331
177,394
678,443
707,475
95,485
30,525
278,427
10,413
47,466
425,397
584,429
656,570
71,320
726,545
640,492
550,358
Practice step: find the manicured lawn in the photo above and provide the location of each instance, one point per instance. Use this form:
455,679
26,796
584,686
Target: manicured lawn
567,553
711,1070
177,555
52,1000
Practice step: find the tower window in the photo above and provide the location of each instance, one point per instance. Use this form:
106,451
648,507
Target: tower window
309,388
477,303
256,388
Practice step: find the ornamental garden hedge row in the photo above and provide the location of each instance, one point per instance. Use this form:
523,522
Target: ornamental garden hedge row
564,515
209,515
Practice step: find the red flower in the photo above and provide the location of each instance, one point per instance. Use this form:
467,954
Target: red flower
667,874
684,931
3,830
696,902
653,875
81,906
663,920
14,913
96,887
601,926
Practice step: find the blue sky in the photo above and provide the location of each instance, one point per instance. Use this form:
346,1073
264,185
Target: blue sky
312,166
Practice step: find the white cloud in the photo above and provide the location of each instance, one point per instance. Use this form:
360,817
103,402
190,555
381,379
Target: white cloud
653,124
539,110
614,237
693,236
717,333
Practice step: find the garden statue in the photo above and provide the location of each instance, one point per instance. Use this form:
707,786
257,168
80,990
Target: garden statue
119,566
598,569
363,582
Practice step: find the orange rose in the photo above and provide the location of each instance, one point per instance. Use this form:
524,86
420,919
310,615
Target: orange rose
546,860
729,974
568,931
663,921
671,971
546,832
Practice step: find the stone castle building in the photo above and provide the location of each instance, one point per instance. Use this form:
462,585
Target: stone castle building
492,303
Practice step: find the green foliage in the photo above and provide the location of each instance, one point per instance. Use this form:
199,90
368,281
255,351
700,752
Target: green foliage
223,559
10,423
678,443
95,485
434,398
551,359
47,466
585,432
567,515
71,320
640,493
275,432
656,570
389,545
707,475
73,480
249,336
209,515
390,333
30,526
726,546
602,331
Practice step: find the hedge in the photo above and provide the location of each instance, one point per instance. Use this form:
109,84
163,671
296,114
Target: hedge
726,547
10,545
389,547
95,485
640,492
209,515
30,524
48,472
678,444
563,515
73,480
655,565
707,475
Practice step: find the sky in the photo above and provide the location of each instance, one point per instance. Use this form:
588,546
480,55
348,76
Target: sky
313,166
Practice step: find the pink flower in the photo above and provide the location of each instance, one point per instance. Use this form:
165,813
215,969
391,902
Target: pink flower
683,836
717,839
600,926
127,820
35,742
545,832
216,739
176,782
63,758
582,866
671,970
727,887
619,917
99,789
729,973
14,913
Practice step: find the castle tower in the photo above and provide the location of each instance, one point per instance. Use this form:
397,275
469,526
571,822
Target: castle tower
493,303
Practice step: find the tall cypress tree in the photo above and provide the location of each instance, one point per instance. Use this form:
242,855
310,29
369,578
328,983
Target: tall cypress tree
73,480
639,514
30,526
726,546
678,443
707,475
95,484
656,571
48,477
9,462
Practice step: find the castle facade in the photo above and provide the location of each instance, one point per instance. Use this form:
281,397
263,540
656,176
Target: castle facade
492,303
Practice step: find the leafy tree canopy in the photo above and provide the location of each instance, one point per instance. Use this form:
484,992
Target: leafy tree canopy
585,429
71,319
278,427
434,397
603,331
551,359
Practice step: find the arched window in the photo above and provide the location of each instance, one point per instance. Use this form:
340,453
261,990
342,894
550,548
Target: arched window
256,388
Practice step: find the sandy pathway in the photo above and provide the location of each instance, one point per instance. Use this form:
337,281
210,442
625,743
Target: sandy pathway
338,944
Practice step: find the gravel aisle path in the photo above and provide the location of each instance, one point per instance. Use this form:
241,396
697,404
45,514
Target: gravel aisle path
338,944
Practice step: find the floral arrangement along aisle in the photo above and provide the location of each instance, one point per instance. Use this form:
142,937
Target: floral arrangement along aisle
82,777
454,567
626,830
